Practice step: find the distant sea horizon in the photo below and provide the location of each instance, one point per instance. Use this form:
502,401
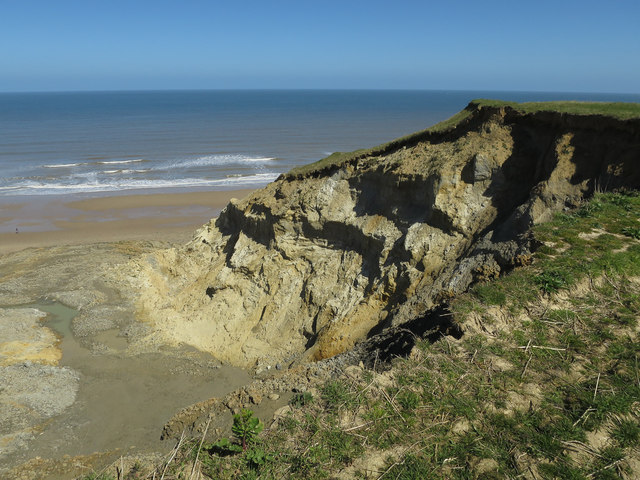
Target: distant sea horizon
109,142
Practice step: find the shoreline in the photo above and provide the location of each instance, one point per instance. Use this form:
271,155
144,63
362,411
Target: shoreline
45,221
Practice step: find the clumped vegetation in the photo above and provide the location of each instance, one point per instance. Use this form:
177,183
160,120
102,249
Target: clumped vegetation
619,110
545,382
340,158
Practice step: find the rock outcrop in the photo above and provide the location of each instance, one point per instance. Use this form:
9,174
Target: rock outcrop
314,262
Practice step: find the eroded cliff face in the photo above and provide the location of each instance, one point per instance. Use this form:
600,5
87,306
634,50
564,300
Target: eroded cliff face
309,265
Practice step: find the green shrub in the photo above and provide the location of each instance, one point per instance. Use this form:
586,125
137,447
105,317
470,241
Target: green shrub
246,428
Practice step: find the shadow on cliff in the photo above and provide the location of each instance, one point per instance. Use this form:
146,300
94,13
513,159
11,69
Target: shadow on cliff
601,158
388,343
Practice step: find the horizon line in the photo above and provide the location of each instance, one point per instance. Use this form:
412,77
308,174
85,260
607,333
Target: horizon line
298,89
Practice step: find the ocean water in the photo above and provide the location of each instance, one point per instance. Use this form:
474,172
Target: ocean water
61,143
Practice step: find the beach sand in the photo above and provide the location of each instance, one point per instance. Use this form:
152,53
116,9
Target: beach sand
82,380
73,220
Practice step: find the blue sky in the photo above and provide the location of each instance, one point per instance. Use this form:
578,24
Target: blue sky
581,46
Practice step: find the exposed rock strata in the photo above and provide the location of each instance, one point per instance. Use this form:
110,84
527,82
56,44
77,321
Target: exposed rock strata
314,263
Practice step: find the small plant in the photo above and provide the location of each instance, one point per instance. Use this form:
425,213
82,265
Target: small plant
336,394
551,281
622,200
626,432
409,400
246,428
135,472
224,447
589,209
633,232
301,399
256,457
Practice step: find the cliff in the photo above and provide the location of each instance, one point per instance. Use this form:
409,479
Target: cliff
337,251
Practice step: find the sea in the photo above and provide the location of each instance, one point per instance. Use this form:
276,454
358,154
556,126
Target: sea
108,142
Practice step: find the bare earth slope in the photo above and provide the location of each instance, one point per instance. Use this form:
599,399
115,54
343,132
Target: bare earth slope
318,260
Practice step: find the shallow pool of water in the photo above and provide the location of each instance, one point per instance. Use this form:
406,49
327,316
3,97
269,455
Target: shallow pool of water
59,318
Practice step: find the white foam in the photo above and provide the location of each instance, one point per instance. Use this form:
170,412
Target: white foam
102,162
126,171
229,158
38,188
64,165
216,160
120,162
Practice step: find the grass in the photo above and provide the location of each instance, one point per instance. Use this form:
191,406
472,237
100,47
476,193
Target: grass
545,382
619,110
341,158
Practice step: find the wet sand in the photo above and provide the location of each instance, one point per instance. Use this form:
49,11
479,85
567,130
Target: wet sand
73,220
117,395
122,399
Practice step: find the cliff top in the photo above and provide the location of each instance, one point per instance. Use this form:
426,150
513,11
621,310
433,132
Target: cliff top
614,110
619,110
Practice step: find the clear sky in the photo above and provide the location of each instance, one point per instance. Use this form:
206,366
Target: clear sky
560,45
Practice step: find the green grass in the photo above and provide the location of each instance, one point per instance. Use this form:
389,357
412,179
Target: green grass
336,394
619,110
341,158
490,293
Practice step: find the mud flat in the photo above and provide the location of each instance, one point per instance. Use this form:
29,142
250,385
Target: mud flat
75,381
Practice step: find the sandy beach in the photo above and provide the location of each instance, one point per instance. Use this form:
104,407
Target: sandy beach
71,220
77,376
